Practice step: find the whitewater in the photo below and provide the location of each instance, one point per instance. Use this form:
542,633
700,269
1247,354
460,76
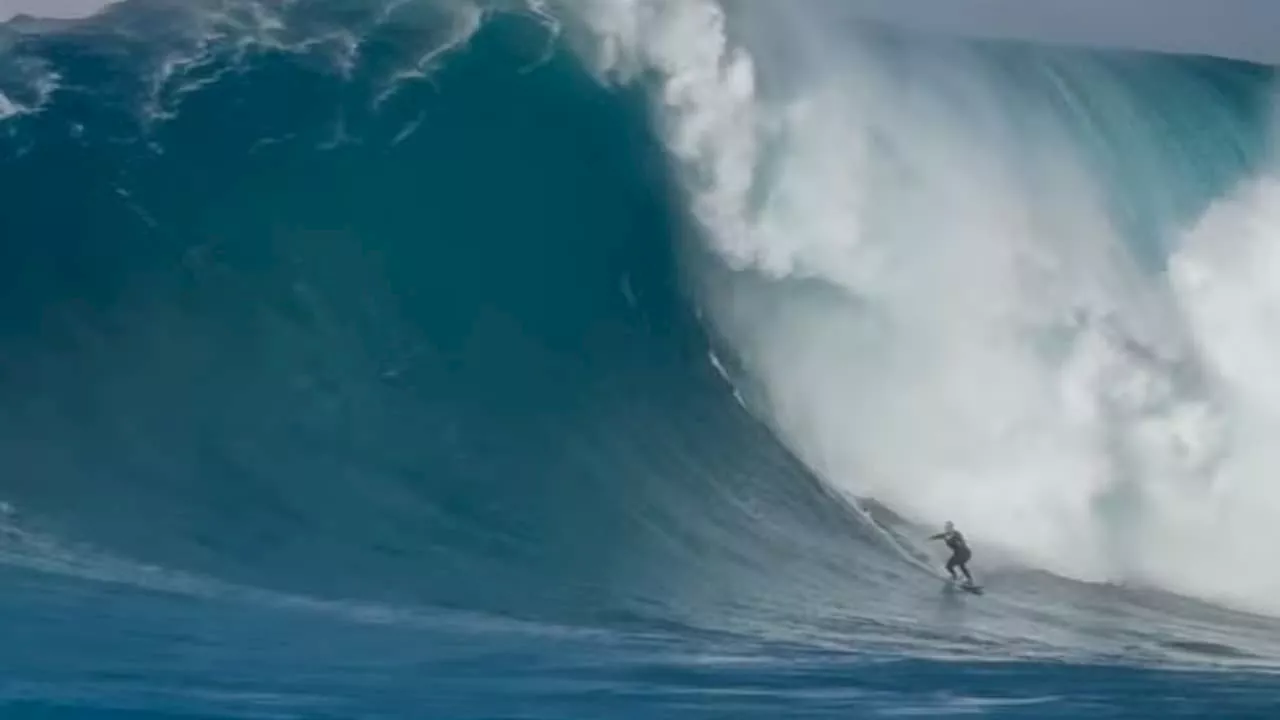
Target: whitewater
615,358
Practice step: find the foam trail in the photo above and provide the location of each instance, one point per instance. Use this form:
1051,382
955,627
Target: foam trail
8,108
950,301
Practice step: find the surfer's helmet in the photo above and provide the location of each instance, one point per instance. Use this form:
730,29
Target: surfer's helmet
949,526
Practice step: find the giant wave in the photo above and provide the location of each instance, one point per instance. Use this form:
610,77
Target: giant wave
660,316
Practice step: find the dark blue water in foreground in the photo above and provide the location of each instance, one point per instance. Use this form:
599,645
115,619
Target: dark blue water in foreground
329,392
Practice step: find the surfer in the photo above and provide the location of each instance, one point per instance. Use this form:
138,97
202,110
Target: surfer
960,553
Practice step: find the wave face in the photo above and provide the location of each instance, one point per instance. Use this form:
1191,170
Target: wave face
360,335
611,358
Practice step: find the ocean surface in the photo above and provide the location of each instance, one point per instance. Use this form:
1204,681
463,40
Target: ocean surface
615,359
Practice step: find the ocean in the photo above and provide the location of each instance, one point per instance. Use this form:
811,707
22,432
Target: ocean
617,359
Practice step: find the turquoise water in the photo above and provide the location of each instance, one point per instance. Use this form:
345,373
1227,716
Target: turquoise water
329,391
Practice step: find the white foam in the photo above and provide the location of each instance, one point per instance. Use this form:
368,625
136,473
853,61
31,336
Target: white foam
979,344
1227,278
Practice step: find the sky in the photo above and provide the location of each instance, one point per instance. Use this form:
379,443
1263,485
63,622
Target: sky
1245,29
50,8
1242,29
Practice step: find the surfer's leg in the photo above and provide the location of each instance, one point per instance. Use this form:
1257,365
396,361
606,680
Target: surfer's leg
951,566
962,561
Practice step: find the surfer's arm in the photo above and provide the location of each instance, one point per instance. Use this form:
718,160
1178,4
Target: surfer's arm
939,536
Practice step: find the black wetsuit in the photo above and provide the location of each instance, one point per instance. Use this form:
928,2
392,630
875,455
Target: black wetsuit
959,554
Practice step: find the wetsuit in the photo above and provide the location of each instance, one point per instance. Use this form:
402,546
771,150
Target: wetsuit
959,553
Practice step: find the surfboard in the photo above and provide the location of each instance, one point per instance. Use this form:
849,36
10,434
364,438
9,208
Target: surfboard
974,589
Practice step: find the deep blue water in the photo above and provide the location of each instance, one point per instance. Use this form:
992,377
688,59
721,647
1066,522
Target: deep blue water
328,391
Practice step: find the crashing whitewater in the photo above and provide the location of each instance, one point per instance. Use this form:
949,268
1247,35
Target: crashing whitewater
1025,289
